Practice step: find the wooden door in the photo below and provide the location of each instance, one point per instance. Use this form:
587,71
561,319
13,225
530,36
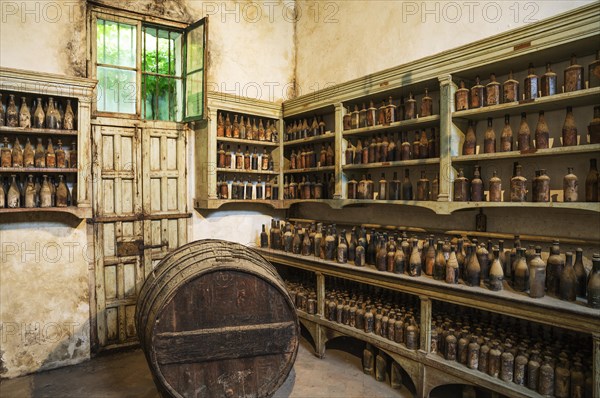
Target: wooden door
139,216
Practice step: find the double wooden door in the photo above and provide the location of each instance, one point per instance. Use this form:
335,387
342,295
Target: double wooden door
140,214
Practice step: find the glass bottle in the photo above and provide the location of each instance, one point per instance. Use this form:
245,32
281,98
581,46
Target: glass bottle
594,71
6,154
12,114
521,274
390,112
410,107
477,186
347,120
429,256
262,135
470,144
554,269
531,84
381,114
477,98
13,196
496,277
352,245
594,126
24,114
381,255
361,191
416,146
69,118
355,118
407,190
507,362
399,260
568,280
489,140
472,275
350,151
39,116
2,114
426,105
518,186
62,193
50,155
383,188
30,193
573,76
405,148
452,268
548,82
570,186
591,183
50,115
352,188
250,162
435,187
221,156
461,187
593,283
73,155
17,154
395,187
580,273
542,133
423,145
492,91
542,187
330,253
423,187
546,378
462,97
506,138
61,161
414,266
569,130
434,151
46,193
249,131
439,265
495,191
28,154
524,135
510,89
537,275
59,114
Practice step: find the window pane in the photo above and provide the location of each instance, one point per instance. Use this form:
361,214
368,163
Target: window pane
195,49
150,50
176,63
163,55
116,90
149,96
194,92
116,43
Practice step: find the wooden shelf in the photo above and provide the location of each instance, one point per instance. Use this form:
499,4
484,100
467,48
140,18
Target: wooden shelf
39,170
456,206
244,171
211,204
399,163
558,101
310,170
547,310
559,151
287,203
422,122
435,206
79,212
309,140
34,131
247,142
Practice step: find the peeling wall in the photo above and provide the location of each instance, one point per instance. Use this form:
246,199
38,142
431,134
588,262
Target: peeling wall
44,295
343,40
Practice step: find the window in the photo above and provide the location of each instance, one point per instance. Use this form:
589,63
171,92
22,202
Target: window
132,54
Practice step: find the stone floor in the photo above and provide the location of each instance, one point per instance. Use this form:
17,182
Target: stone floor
126,374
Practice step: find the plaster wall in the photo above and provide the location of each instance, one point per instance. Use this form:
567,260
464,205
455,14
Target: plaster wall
342,40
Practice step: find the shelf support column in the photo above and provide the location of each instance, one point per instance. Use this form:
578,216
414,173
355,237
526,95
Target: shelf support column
596,366
84,156
425,343
447,90
320,294
280,156
211,148
340,185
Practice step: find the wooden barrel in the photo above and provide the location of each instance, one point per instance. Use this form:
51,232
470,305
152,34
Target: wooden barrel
215,320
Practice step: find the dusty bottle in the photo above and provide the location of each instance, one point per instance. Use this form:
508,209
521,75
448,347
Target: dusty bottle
439,266
531,84
405,148
435,187
510,89
61,160
554,269
594,71
542,133
568,280
541,191
591,183
414,266
423,187
2,114
423,146
381,254
50,115
416,146
593,283
69,118
461,187
573,76
434,148
546,378
477,96
489,140
62,193
472,275
482,257
521,272
518,186
477,186
410,107
342,249
390,112
46,193
524,135
394,187
383,188
73,155
495,191
17,154
381,114
496,277
39,116
228,127
352,188
399,260
350,151
264,238
506,138
50,155
462,97
355,118
347,119
24,114
407,190
426,105
537,275
452,268
594,127
30,199
12,114
249,132
6,154
569,130
428,257
362,188
28,155
548,82
13,196
470,144
580,273
492,91
570,186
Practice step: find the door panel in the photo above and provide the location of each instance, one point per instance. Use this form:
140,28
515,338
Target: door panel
140,206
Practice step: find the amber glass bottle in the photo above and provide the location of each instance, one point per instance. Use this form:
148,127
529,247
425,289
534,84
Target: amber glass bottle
470,144
477,186
548,82
489,139
593,284
510,89
574,76
531,84
591,183
477,96
461,187
462,97
542,133
492,91
570,186
569,130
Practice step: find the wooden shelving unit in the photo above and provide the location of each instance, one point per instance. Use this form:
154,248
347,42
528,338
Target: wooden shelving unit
41,170
391,165
328,136
403,125
79,212
310,170
247,142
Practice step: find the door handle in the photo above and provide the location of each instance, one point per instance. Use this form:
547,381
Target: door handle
143,247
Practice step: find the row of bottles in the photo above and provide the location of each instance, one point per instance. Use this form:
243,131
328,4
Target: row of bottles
541,137
384,149
476,264
394,189
548,360
494,93
236,189
473,190
40,157
306,157
245,130
240,160
391,315
33,192
300,129
388,112
307,189
46,114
